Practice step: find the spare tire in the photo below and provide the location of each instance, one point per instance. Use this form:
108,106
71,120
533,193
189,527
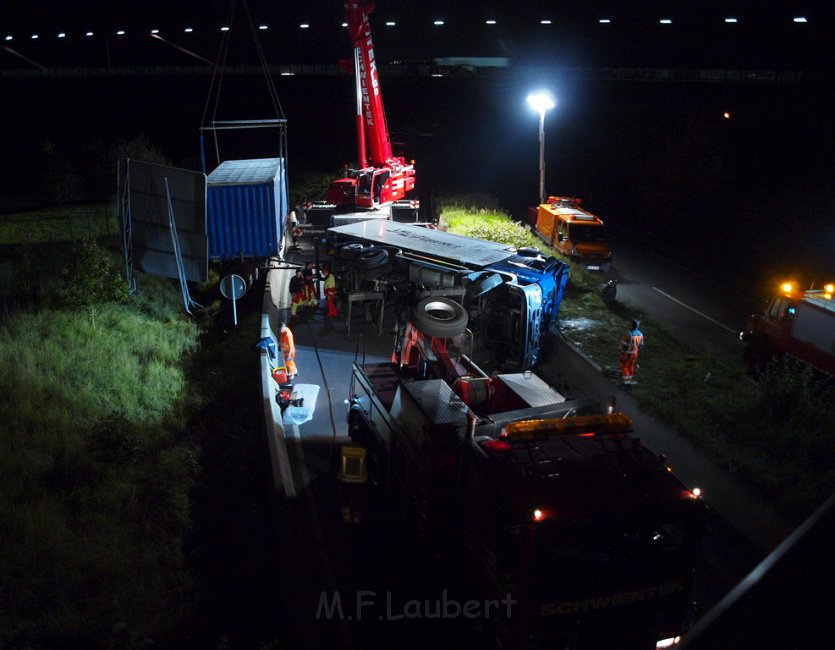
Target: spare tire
371,258
439,317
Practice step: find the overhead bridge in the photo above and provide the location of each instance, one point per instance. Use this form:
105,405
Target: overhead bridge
409,70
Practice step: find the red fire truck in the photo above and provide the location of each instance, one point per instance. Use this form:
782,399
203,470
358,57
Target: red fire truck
551,501
798,323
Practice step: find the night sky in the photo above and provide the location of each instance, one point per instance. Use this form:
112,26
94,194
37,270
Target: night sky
635,150
764,34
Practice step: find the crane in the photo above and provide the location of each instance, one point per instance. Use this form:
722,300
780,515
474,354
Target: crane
381,177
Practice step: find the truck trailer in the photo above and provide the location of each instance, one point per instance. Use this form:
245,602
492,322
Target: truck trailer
549,502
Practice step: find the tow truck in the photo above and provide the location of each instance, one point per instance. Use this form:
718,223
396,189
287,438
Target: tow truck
798,323
549,500
574,231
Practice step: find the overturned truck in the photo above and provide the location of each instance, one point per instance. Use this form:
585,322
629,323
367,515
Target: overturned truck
509,297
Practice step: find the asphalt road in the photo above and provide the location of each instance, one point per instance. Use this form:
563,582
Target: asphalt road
349,584
701,309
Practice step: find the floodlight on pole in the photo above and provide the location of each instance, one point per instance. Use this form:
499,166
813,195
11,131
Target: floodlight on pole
541,102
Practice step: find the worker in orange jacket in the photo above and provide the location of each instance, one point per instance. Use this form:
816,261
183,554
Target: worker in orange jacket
630,344
288,349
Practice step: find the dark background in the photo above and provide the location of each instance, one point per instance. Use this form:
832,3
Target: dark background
638,132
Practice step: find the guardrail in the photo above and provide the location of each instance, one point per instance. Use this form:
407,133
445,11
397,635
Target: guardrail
273,427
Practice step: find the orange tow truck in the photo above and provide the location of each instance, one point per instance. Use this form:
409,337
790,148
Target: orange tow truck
574,231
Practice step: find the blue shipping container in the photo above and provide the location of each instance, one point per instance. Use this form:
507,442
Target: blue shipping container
247,204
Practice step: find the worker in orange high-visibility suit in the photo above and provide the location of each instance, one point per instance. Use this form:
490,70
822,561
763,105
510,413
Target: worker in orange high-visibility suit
631,343
288,349
330,292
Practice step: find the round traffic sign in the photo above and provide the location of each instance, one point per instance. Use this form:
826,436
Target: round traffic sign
232,287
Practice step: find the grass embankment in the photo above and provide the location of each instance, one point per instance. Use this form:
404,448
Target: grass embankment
134,510
96,469
50,225
775,433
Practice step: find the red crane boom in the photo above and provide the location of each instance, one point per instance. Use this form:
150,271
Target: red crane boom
382,177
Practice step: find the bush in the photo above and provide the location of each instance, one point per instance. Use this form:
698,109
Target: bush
490,225
90,278
311,186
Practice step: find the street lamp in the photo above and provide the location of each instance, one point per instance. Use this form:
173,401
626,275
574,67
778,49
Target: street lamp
541,102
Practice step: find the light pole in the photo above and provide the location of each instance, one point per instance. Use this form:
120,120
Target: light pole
541,102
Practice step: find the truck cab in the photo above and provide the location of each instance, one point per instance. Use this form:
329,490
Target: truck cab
363,189
574,232
600,554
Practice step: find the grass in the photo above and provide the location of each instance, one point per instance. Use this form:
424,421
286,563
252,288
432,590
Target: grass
97,467
129,470
785,452
51,225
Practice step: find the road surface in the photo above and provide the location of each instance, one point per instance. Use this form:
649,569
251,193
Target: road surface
702,311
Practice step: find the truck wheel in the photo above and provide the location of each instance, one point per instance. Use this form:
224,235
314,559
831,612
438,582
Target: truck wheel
350,250
373,274
393,251
440,317
757,355
371,258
